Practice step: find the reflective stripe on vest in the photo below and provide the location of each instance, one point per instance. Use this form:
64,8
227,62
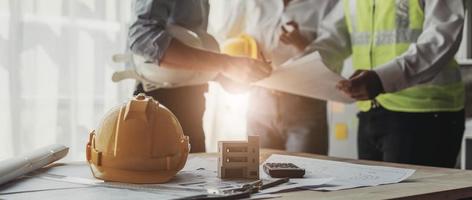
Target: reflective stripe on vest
382,30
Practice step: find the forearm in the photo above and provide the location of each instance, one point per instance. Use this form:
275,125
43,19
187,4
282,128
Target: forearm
333,40
434,50
181,56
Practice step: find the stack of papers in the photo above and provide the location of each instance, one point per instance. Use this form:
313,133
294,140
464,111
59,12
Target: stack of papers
75,181
344,175
319,174
209,165
198,178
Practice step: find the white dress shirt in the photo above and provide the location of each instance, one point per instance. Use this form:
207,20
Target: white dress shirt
266,17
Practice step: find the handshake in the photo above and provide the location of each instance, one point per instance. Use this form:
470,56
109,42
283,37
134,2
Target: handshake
246,70
239,72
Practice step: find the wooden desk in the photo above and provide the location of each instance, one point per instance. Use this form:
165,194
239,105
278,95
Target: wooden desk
426,183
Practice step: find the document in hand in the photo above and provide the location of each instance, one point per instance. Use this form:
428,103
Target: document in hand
306,76
345,175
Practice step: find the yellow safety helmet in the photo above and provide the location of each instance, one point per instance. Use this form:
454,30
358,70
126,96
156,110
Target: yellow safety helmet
243,45
140,141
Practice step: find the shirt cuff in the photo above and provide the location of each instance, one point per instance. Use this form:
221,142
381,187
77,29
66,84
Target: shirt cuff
392,77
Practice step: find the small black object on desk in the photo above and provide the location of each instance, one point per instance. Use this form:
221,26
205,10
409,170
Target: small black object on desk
283,170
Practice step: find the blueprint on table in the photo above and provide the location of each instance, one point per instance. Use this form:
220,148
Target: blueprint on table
345,175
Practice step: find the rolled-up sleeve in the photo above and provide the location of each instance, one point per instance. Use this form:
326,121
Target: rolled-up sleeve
333,41
434,49
147,34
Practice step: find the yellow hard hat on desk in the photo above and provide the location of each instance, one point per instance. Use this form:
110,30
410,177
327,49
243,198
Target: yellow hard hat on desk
138,142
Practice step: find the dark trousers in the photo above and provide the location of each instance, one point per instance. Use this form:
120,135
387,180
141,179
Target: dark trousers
288,122
431,139
188,105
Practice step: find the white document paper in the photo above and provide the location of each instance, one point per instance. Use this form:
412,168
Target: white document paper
264,196
94,193
199,165
194,181
34,184
202,174
306,76
297,183
345,175
76,179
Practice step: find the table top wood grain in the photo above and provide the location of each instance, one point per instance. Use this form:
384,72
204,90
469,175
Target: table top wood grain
426,183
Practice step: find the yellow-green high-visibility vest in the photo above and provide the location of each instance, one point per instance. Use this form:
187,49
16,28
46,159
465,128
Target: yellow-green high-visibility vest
382,30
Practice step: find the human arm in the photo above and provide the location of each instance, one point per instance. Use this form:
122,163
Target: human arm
293,37
148,37
362,85
240,69
434,49
333,39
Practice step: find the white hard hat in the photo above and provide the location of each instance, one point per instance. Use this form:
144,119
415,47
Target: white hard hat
153,76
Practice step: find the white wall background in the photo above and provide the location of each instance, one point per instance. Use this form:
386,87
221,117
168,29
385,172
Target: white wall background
55,70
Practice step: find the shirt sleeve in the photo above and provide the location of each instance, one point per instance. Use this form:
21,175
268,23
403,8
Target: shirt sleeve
147,34
333,41
434,49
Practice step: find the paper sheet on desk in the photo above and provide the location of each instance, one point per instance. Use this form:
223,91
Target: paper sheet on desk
75,181
35,184
93,193
197,179
306,76
199,165
346,175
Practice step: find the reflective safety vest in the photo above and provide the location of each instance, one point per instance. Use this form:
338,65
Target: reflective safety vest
382,30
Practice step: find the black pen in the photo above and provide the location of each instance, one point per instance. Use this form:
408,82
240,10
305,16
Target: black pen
274,183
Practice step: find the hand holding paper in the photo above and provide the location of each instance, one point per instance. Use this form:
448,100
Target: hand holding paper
306,76
362,85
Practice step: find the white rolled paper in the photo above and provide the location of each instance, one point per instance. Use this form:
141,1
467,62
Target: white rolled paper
20,165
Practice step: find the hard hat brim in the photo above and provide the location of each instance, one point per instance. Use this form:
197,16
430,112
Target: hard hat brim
132,176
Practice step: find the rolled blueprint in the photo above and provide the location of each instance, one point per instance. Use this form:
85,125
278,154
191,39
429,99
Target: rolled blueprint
18,166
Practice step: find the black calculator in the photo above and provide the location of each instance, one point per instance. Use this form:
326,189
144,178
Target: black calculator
283,170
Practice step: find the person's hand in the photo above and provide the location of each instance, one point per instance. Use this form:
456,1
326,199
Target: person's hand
294,37
231,86
246,70
362,85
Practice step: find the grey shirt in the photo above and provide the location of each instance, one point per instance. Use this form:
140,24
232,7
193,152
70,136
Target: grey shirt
147,34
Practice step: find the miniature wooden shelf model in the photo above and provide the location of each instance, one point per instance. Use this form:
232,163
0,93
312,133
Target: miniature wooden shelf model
239,159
